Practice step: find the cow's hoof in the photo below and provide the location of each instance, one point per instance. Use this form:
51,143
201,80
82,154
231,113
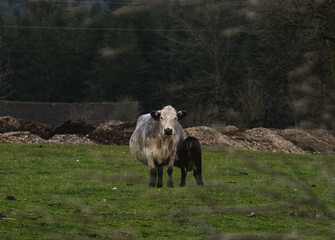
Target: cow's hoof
182,184
200,183
170,184
151,184
159,185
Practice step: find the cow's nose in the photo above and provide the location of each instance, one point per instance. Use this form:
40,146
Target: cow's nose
168,131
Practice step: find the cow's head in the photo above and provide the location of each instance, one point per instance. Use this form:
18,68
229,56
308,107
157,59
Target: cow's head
168,118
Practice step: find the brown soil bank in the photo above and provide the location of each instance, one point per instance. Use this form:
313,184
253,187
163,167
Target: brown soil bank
275,140
118,133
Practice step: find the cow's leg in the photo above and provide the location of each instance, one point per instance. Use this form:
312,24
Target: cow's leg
196,157
153,177
152,172
160,176
169,172
183,177
197,175
169,167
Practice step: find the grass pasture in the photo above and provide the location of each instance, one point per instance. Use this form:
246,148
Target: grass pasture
85,192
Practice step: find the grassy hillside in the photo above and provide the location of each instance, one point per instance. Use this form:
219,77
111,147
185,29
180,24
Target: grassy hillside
83,192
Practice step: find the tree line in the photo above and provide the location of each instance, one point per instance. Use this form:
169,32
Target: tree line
246,63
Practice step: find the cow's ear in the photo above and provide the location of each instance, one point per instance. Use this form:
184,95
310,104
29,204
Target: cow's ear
155,114
181,114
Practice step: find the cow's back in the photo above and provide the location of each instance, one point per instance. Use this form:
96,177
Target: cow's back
137,139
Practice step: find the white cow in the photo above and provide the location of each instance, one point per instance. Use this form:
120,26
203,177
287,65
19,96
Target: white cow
155,141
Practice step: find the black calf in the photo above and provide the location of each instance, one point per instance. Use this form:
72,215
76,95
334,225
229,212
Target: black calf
188,159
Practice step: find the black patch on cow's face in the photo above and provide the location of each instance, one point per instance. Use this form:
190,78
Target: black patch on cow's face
181,114
155,114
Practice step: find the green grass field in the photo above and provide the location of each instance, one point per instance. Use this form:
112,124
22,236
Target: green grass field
84,192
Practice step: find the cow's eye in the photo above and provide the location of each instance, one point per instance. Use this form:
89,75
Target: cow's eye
175,118
161,118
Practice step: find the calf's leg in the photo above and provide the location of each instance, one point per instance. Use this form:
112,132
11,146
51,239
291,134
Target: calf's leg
198,177
197,170
183,177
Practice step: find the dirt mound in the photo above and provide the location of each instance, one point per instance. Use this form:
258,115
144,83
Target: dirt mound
10,124
74,127
30,138
311,141
113,132
265,139
22,137
118,133
69,139
208,136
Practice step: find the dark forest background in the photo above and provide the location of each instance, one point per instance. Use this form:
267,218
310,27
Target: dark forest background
247,63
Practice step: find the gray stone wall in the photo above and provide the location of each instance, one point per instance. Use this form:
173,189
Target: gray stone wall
57,113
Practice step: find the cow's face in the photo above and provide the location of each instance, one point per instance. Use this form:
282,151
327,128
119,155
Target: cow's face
168,118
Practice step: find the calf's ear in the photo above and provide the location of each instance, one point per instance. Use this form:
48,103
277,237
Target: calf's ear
155,114
181,114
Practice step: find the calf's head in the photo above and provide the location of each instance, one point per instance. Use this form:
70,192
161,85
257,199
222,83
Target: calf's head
168,118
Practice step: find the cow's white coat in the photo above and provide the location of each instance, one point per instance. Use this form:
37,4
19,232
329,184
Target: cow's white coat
151,145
